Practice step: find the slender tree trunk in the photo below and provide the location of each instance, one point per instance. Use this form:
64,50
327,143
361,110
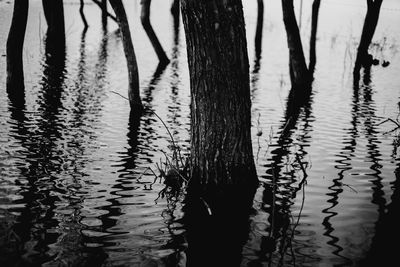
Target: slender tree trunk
370,23
104,13
133,74
221,149
313,37
259,28
15,43
145,18
82,4
54,14
300,77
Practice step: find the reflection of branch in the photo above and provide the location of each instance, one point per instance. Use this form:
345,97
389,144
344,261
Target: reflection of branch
389,119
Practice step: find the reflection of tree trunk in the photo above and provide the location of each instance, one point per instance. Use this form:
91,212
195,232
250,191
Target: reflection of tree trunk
221,149
15,43
133,74
82,4
259,28
54,14
370,23
313,37
297,64
145,18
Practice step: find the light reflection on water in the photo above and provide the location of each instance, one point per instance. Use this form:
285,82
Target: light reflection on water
73,181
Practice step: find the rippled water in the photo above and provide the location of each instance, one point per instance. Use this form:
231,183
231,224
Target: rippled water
75,188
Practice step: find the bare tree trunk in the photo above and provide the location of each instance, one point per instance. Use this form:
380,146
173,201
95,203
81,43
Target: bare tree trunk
259,28
145,18
15,44
54,14
133,74
300,77
370,23
104,13
313,37
82,4
175,8
221,149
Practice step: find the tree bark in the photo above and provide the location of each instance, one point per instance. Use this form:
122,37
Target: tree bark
145,18
221,149
300,77
54,14
133,74
370,23
15,42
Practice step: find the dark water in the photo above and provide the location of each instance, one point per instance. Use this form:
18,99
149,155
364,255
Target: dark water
75,188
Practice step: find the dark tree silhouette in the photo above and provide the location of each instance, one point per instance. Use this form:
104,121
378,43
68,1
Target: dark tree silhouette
104,12
371,21
54,14
15,43
222,164
313,37
299,74
133,74
82,4
259,28
145,18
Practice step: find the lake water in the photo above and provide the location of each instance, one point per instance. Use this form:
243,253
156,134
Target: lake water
75,183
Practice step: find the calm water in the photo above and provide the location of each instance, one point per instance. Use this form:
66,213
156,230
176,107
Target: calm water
73,182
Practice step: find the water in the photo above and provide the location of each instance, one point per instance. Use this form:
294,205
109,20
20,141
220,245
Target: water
75,187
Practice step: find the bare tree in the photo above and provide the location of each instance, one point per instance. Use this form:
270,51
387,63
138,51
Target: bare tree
133,74
221,148
15,43
145,18
299,73
371,21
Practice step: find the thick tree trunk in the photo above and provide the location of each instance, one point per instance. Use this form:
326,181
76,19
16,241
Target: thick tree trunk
221,149
145,18
300,76
133,74
313,37
370,23
54,14
15,43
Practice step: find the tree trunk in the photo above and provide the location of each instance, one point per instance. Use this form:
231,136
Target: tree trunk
313,37
145,18
300,77
133,74
82,4
104,13
221,148
15,43
370,23
259,28
54,14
